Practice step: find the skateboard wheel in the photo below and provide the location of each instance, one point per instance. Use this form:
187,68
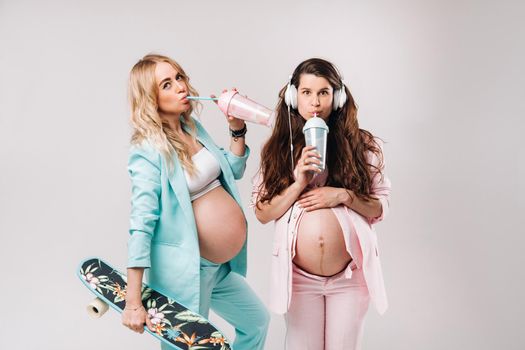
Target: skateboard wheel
97,308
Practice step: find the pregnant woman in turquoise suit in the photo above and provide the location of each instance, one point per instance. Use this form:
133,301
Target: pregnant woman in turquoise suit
188,231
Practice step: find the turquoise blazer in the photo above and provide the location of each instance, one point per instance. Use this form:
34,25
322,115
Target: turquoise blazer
163,234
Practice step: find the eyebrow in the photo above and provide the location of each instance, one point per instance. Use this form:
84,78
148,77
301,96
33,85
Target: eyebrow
164,80
322,89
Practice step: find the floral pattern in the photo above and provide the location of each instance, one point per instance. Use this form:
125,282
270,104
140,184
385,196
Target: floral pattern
182,328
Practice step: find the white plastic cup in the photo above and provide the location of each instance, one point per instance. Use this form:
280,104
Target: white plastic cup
316,134
239,106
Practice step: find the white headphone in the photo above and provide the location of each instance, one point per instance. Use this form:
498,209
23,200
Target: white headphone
290,96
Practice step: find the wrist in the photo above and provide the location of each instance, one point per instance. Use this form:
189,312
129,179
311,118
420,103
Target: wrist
236,133
297,187
133,307
133,301
346,197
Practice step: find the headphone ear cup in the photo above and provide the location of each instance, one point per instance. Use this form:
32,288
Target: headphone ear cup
290,96
339,98
335,102
342,97
294,96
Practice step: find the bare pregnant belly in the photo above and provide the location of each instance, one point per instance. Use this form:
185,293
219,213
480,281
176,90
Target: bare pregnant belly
221,225
320,248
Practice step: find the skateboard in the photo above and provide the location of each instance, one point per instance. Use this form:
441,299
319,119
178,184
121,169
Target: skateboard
174,323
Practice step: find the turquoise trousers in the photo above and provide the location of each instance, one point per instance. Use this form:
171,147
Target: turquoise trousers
230,297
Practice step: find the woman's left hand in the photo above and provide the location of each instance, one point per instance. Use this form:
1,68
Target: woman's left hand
322,197
235,123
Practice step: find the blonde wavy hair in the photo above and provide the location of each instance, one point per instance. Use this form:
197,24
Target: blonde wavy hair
145,119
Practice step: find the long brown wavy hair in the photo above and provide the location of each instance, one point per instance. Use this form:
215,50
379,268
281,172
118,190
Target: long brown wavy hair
347,145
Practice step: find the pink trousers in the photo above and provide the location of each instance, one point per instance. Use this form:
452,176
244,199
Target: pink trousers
326,313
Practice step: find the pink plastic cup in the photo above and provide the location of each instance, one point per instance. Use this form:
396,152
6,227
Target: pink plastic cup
239,106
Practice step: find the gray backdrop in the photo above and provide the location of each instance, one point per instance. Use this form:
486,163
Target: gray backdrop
439,81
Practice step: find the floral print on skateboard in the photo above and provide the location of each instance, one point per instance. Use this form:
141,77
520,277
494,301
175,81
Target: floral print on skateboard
173,322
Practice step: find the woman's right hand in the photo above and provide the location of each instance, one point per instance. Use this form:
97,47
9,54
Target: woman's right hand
135,319
307,166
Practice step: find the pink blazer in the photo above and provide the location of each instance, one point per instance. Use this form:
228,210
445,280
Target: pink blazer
360,238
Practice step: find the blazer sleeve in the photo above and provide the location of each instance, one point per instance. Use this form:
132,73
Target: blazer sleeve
380,186
144,172
237,163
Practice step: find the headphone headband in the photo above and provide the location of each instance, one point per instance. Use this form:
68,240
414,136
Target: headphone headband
290,96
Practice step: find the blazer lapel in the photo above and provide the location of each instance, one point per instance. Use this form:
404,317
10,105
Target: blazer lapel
178,183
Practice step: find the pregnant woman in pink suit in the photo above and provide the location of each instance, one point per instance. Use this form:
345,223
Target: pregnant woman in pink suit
325,261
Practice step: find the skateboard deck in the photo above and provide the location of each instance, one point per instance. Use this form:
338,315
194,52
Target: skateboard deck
174,323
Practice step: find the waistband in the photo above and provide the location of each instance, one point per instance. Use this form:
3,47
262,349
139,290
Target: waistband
206,262
347,272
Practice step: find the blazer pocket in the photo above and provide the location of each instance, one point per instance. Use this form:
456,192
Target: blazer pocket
171,244
275,249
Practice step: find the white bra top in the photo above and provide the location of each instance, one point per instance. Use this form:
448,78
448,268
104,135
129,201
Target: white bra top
206,178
